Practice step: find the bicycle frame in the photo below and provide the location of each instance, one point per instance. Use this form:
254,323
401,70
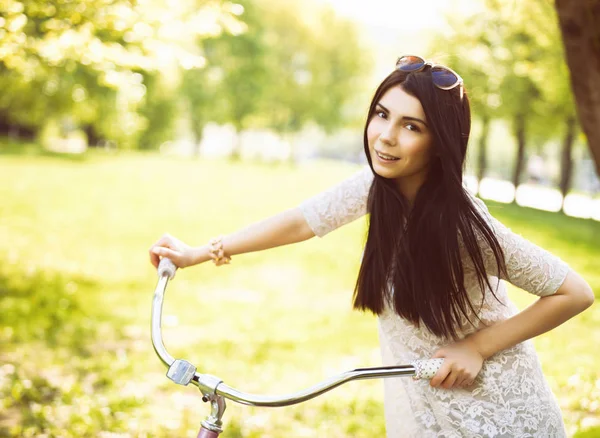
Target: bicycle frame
216,392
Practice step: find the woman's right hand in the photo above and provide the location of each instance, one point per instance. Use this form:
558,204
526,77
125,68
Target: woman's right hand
181,255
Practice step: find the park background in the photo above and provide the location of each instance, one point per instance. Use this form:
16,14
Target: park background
121,120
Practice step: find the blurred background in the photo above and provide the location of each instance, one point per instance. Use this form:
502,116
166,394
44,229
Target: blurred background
121,120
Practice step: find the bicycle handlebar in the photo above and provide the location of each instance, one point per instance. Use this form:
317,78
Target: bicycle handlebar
166,268
183,372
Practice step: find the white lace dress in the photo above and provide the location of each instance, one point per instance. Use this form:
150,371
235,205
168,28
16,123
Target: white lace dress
510,397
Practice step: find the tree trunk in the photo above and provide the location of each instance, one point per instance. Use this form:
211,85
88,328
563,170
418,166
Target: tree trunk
13,132
566,163
520,159
291,141
236,151
580,26
92,136
483,139
198,131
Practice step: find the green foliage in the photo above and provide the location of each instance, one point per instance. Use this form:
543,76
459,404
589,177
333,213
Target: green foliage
238,73
82,60
511,57
159,112
199,89
124,71
294,63
319,67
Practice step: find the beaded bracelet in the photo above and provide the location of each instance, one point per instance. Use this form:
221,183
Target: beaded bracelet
216,251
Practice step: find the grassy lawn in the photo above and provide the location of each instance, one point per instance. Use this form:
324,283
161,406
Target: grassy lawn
76,290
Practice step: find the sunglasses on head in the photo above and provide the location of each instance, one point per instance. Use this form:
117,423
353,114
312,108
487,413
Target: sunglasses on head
442,76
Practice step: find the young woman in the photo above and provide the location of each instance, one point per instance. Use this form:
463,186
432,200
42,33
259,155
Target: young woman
431,268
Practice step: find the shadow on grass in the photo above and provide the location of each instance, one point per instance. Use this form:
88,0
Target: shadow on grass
31,149
51,378
45,307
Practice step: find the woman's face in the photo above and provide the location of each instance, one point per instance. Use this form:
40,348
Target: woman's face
399,129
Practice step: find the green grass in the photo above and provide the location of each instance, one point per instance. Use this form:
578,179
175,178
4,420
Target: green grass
76,290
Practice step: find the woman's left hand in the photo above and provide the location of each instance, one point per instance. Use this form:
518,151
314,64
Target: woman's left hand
462,363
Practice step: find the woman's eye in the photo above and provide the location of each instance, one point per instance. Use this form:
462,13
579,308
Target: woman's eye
412,127
381,114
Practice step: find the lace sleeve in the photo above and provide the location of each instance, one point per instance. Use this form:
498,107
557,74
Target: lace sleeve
529,267
339,205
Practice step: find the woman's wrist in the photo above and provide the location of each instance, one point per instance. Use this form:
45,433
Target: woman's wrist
200,254
477,344
489,340
214,250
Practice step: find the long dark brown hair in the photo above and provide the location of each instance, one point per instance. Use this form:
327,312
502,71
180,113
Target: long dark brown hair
412,257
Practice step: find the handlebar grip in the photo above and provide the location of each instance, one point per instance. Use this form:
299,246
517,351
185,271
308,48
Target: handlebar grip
426,369
166,268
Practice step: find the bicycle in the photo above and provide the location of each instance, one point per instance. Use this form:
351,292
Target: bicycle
215,391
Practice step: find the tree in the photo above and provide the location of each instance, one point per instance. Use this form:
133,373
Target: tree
320,68
233,83
479,40
553,78
542,78
293,63
199,88
88,60
522,94
510,59
580,27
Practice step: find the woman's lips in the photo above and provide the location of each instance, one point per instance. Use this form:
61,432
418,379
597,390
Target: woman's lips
385,160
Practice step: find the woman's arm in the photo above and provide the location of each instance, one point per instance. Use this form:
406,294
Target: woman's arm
281,229
572,297
319,215
563,294
464,359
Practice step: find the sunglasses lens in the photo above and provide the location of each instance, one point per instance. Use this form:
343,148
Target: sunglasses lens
443,77
410,63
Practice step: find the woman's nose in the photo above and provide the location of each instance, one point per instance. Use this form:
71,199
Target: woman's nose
388,136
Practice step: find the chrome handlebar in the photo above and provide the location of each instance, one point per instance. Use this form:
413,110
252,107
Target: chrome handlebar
184,373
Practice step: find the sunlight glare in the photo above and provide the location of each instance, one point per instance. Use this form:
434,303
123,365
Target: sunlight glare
404,16
542,198
395,28
497,190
